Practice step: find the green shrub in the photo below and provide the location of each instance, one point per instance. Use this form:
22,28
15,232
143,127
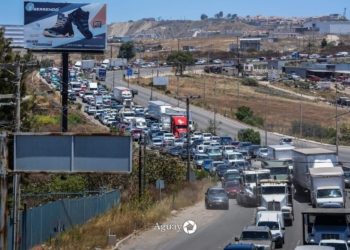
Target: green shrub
201,174
167,92
250,82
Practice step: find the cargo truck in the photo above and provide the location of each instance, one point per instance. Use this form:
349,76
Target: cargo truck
279,169
175,124
114,62
306,158
101,74
181,112
327,186
156,109
122,94
279,152
93,87
98,101
87,64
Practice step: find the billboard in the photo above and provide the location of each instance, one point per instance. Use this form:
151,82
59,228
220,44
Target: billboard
72,153
65,26
160,80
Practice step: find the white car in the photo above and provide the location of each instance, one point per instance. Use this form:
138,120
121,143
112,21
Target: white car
105,119
197,134
168,137
217,61
81,94
337,244
286,140
206,136
178,142
228,149
91,110
232,157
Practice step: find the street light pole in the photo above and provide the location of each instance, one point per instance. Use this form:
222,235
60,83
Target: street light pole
265,122
177,92
336,119
215,109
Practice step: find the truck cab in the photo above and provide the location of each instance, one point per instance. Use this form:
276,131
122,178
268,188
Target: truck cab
178,125
277,195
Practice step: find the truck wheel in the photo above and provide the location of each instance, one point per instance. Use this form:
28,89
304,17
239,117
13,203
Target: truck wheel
238,200
291,224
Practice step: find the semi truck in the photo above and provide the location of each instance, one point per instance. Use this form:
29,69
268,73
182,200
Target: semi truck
87,64
101,74
276,195
279,169
93,87
327,186
307,158
126,115
279,152
181,112
156,109
122,94
175,124
114,62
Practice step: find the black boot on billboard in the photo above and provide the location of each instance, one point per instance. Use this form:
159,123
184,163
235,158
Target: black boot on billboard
62,28
81,19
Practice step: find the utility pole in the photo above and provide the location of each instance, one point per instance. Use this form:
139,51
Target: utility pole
177,91
3,189
178,45
145,138
138,81
301,116
64,115
188,98
215,109
204,86
238,63
265,122
140,169
238,95
336,119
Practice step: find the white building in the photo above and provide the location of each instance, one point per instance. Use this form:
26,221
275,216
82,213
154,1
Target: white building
16,32
331,27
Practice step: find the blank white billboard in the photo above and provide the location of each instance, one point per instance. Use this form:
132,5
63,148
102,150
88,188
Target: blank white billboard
72,153
160,80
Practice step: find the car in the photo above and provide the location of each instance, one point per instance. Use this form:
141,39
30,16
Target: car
217,61
178,142
258,235
215,138
225,140
228,149
155,126
261,153
72,97
213,152
110,121
213,166
168,137
91,110
337,244
241,246
197,134
245,154
156,143
232,188
253,149
183,154
346,171
242,165
221,169
286,141
231,158
136,134
230,175
174,151
244,145
198,160
216,197
105,119
198,142
165,146
206,136
98,113
199,149
206,164
235,144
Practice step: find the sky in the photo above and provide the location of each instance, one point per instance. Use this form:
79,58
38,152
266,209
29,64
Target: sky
123,11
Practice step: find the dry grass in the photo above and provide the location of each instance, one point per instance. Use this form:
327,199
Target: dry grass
127,218
282,108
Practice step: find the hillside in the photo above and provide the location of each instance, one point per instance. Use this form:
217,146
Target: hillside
175,28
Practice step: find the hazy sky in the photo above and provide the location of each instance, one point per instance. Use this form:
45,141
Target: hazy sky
123,11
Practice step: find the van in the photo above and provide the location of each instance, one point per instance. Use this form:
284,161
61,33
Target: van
309,247
274,220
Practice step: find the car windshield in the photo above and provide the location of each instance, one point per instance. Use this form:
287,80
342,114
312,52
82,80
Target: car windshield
215,151
244,153
263,150
216,191
157,140
230,148
273,190
241,163
246,144
329,193
232,184
277,171
255,236
330,220
168,135
287,140
206,135
235,156
337,246
223,168
129,114
202,157
235,143
270,224
251,178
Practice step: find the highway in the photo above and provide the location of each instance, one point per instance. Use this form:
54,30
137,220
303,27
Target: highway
229,224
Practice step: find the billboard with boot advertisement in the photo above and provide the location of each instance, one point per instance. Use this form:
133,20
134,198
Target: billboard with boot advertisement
65,26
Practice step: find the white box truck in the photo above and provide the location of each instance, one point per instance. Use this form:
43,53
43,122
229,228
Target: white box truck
93,87
122,94
279,152
156,109
87,64
306,158
114,62
327,186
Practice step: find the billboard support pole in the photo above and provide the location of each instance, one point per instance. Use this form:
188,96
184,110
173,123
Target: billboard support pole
64,115
3,190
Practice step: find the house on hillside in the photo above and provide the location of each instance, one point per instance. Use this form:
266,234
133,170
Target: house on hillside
188,48
246,43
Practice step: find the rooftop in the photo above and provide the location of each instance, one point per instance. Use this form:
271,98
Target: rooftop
312,151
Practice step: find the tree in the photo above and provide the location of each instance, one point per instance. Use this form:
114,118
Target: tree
250,82
249,135
127,50
221,14
252,50
248,16
234,16
204,16
180,60
217,15
228,15
324,43
341,43
243,112
160,47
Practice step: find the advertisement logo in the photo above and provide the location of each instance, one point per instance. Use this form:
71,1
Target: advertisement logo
29,6
190,227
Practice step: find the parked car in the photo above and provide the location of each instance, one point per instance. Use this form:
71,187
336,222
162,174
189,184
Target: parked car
216,196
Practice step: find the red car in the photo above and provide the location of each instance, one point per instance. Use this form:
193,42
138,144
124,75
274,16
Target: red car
136,133
315,79
232,188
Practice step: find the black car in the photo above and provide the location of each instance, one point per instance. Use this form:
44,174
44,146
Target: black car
198,142
72,96
253,149
242,165
221,169
175,151
183,154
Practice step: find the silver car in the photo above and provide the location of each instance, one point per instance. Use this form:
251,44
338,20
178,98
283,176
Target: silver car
156,143
261,153
178,142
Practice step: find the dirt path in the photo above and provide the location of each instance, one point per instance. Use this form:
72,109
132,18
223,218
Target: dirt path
153,238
